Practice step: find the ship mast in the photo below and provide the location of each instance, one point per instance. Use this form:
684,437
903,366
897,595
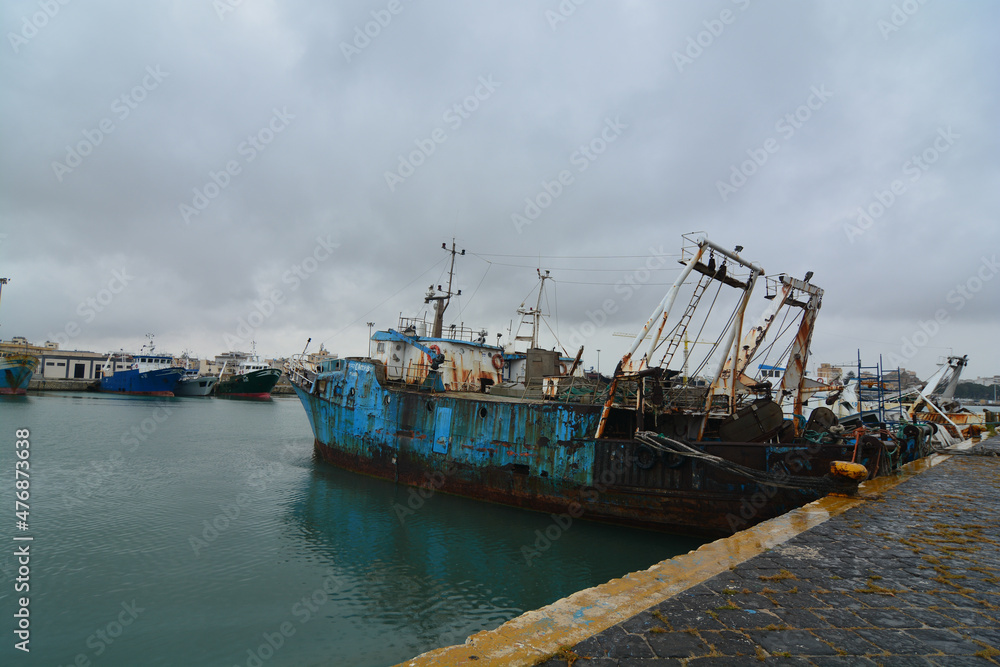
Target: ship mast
535,314
441,301
538,308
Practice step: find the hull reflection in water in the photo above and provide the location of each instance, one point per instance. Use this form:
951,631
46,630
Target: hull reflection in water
431,574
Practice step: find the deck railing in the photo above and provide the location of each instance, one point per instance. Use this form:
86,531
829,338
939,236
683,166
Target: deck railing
300,371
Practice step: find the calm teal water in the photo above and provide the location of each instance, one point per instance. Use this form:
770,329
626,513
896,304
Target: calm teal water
190,531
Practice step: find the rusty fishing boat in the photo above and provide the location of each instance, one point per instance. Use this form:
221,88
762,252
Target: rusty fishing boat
656,447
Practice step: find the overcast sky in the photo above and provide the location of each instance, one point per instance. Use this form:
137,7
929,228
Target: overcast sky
177,167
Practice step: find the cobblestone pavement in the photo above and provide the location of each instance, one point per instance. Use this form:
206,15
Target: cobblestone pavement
912,578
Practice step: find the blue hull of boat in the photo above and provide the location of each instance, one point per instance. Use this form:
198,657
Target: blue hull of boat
15,373
539,455
160,382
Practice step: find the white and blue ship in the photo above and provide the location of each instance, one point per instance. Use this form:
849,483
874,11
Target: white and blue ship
142,374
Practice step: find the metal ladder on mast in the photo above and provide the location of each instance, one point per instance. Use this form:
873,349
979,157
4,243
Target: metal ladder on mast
677,334
527,319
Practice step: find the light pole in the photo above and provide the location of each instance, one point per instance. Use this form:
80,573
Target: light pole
370,325
598,364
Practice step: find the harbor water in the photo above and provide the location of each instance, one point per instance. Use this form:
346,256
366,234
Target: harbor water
202,531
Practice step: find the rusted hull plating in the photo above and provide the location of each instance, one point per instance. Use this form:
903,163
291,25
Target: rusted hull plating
541,455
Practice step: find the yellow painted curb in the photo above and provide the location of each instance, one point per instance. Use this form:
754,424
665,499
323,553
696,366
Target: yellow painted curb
538,634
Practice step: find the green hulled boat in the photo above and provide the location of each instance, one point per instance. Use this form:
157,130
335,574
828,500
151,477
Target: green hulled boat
253,378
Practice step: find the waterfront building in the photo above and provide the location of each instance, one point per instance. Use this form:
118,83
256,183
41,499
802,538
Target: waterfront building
56,364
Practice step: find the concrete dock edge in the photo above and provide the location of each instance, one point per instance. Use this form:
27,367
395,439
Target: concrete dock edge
541,633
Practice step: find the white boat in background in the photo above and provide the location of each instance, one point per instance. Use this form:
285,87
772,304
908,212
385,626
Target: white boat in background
876,397
936,404
193,384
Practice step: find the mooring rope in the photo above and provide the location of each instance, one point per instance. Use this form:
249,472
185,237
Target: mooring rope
820,485
988,453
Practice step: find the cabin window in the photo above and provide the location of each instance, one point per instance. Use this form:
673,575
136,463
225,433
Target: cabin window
380,348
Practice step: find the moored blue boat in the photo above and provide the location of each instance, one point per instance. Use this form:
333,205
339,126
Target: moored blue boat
144,374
